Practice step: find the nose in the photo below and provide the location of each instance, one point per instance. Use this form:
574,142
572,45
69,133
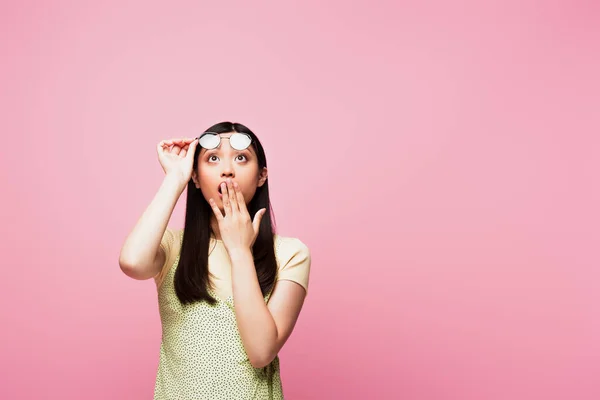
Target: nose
228,171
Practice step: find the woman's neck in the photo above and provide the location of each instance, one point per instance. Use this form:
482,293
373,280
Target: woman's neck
214,225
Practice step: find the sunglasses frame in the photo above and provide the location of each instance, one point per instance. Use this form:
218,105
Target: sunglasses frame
220,138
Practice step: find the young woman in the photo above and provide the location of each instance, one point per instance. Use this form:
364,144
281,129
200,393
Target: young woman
212,346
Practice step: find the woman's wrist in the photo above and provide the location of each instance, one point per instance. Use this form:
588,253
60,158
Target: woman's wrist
240,254
174,182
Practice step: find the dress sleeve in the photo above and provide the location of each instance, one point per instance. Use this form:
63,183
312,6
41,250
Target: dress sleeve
294,260
166,244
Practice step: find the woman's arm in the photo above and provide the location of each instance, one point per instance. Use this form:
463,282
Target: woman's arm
264,328
141,256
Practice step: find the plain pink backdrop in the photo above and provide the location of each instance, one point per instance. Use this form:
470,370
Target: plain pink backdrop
440,160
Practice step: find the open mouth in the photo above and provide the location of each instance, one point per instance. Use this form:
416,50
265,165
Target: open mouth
219,189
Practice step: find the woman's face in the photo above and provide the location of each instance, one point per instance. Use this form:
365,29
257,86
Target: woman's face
217,165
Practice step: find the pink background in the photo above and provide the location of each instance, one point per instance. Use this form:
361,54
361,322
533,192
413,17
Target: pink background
440,161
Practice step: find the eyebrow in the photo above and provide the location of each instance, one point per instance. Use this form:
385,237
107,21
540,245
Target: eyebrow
218,149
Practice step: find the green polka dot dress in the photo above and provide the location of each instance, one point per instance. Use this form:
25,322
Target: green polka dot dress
201,353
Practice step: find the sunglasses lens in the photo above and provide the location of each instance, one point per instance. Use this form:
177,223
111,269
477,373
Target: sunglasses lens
240,141
209,141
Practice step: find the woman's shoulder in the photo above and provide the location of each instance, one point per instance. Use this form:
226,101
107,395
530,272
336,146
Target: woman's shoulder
176,231
288,242
171,240
293,260
288,247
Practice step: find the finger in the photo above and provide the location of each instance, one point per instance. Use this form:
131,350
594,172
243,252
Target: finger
192,148
182,142
232,196
172,142
257,218
176,149
183,152
240,198
215,209
226,202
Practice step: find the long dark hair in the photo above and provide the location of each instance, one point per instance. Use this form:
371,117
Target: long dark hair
191,277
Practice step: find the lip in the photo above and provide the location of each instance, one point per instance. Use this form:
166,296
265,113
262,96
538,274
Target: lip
219,189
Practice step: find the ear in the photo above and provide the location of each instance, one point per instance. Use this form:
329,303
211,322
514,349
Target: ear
195,179
262,177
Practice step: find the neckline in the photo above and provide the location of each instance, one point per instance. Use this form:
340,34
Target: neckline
212,237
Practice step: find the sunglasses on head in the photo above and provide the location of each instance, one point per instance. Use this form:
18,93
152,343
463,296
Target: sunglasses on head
211,140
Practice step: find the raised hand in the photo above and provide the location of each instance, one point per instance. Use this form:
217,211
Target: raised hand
176,157
238,230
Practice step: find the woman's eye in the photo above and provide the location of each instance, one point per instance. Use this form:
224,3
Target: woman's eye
239,157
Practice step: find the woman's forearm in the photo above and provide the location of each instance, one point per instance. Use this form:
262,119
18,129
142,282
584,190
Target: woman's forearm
255,323
142,243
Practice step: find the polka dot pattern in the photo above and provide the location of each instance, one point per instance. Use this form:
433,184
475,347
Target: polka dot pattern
202,355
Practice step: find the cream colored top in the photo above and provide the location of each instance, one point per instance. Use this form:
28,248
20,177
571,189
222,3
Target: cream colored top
293,259
201,352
